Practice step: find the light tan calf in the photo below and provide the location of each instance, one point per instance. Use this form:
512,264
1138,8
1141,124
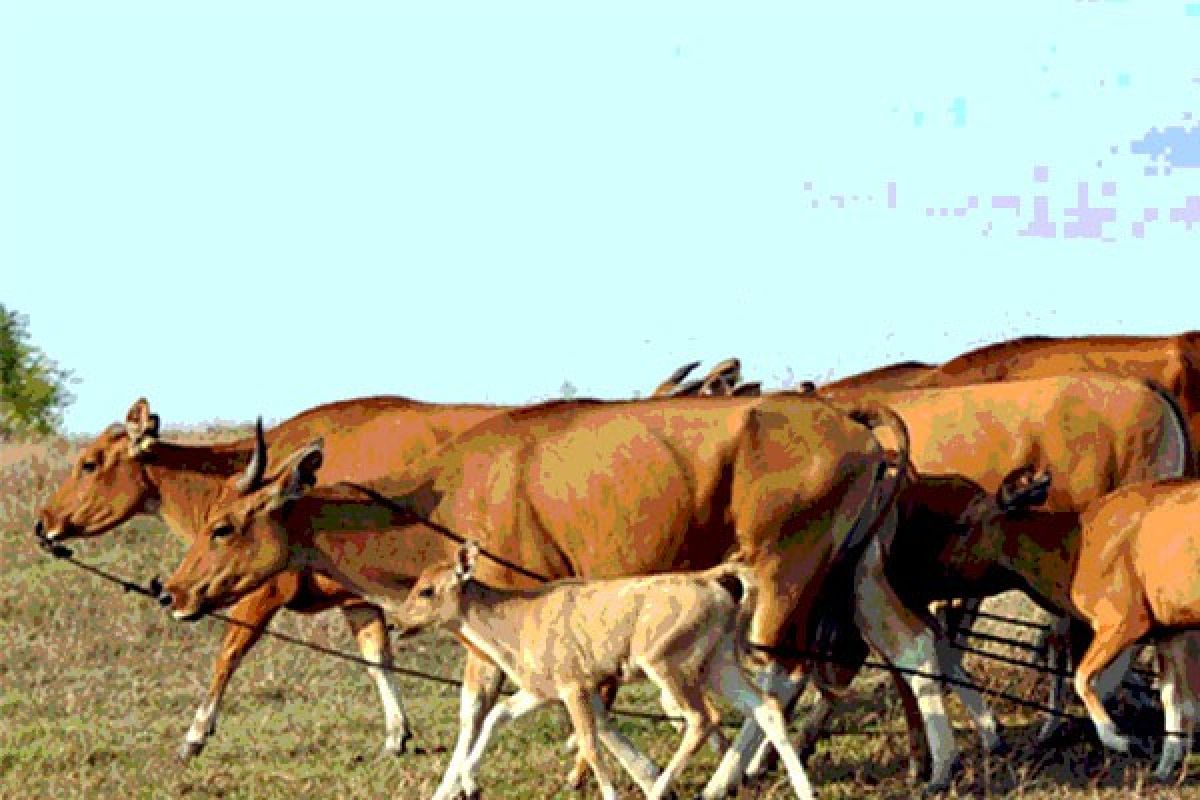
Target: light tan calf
683,631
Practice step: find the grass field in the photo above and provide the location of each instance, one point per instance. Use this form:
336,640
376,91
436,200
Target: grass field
98,686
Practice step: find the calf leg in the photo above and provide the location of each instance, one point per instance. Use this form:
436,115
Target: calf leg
727,677
507,709
480,687
370,631
248,619
643,771
699,719
577,775
579,708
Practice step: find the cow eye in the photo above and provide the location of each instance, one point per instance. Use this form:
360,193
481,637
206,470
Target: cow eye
224,529
426,592
88,466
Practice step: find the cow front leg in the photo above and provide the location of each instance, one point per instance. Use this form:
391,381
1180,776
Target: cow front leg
370,631
248,619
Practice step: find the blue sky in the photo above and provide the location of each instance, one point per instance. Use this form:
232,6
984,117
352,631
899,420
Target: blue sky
236,212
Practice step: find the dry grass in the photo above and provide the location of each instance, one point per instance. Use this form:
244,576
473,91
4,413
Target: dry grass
98,686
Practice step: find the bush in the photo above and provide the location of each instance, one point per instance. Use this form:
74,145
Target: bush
33,389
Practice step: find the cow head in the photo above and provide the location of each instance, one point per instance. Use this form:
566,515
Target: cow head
244,542
436,597
108,483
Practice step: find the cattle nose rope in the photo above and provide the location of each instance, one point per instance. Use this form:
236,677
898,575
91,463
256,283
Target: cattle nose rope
65,554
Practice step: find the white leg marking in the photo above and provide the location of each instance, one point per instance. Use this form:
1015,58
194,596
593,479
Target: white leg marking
470,709
643,771
767,713
508,709
986,725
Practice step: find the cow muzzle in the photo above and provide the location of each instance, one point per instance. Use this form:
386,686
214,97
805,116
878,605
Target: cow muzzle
47,542
182,605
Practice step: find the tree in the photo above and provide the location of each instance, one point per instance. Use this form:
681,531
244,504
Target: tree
33,389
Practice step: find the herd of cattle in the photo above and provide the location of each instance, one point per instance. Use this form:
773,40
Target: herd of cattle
712,539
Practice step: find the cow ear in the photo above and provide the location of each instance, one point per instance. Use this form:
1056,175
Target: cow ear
464,560
1022,489
142,427
298,475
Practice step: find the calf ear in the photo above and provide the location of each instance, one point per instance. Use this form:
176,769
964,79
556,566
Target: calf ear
141,426
1023,488
464,562
299,474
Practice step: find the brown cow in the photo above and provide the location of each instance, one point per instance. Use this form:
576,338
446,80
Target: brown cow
1101,431
599,491
1172,361
1126,566
130,470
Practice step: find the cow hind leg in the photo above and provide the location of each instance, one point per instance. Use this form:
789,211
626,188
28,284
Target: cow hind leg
908,644
370,631
1109,641
1178,707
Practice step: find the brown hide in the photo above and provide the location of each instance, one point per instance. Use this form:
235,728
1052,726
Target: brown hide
1094,432
903,375
1172,361
586,490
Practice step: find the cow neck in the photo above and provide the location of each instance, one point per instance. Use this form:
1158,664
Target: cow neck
380,550
182,475
1040,548
491,621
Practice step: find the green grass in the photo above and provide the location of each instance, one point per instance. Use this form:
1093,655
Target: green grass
98,686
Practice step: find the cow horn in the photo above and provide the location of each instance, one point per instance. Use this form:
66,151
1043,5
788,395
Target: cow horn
258,461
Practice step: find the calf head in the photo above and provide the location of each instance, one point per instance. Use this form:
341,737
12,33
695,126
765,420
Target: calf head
243,542
108,483
436,597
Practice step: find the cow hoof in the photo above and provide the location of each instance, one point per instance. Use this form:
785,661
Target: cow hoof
189,750
397,745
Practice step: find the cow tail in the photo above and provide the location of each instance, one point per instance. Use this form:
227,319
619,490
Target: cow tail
1190,465
834,639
